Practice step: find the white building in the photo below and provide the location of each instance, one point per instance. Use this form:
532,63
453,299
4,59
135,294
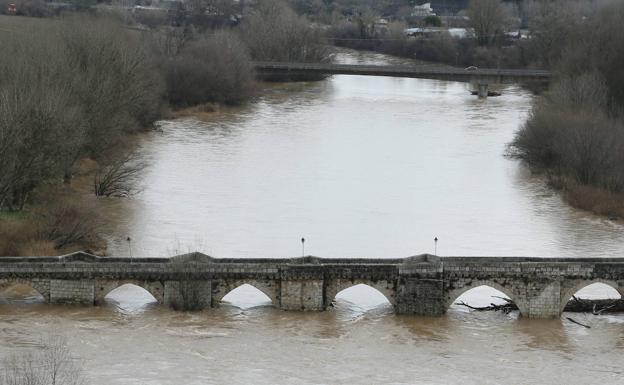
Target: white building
423,10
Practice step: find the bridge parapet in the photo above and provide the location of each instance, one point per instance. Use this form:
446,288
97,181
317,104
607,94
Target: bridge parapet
423,284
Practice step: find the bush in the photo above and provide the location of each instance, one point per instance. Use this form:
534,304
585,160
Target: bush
214,68
68,222
433,21
65,224
587,146
53,364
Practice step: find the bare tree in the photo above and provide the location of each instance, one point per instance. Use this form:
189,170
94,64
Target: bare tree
274,32
68,90
52,365
488,18
118,176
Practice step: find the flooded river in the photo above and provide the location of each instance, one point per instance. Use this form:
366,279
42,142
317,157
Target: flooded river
360,167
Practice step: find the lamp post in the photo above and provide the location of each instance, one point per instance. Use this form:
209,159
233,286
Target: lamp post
130,248
303,247
435,246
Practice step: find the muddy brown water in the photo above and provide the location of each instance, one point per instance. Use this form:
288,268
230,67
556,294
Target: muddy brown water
361,167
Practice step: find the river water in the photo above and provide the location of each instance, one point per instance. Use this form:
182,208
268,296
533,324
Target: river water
360,167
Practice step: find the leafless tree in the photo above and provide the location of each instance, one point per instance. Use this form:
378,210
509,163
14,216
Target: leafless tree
52,365
274,32
488,18
68,90
119,175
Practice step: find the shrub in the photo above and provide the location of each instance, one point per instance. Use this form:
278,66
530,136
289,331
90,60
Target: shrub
586,146
214,68
433,21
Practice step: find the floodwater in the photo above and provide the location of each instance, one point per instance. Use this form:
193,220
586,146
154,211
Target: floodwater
360,167
360,341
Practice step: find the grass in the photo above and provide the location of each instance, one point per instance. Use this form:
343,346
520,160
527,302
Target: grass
18,24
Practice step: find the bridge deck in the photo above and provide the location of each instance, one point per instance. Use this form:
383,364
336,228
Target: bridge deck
416,71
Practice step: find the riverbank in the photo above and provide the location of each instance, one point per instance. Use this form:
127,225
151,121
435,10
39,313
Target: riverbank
596,200
59,219
122,81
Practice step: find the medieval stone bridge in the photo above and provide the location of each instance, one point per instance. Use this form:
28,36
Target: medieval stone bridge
481,77
423,285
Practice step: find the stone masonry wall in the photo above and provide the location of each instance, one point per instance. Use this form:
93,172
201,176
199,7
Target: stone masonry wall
423,284
71,291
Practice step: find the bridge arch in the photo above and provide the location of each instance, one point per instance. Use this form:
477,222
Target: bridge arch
336,286
270,288
571,287
104,287
42,287
455,293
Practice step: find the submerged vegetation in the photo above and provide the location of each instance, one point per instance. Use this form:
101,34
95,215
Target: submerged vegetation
77,86
576,132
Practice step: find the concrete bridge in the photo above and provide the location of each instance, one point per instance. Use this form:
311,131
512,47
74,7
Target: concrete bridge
482,78
423,285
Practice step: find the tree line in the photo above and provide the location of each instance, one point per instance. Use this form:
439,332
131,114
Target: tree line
575,132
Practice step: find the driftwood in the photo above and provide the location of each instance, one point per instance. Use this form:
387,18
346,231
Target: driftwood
506,308
578,323
574,305
594,306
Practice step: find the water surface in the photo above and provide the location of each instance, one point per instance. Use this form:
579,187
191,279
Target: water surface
360,167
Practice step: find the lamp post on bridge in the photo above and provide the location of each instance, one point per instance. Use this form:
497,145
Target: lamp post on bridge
303,247
130,248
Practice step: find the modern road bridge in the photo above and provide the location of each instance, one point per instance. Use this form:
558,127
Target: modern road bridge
481,77
424,284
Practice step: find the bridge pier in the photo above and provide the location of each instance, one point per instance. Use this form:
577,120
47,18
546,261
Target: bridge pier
543,299
72,291
188,294
482,90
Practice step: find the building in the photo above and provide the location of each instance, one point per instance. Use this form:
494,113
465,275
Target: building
423,10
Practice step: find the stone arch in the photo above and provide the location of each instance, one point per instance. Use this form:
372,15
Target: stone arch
335,286
40,286
103,287
270,288
455,293
570,287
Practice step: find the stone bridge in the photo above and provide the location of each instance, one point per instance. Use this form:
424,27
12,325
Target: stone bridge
481,77
423,285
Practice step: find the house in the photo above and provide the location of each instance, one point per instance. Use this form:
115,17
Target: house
423,10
